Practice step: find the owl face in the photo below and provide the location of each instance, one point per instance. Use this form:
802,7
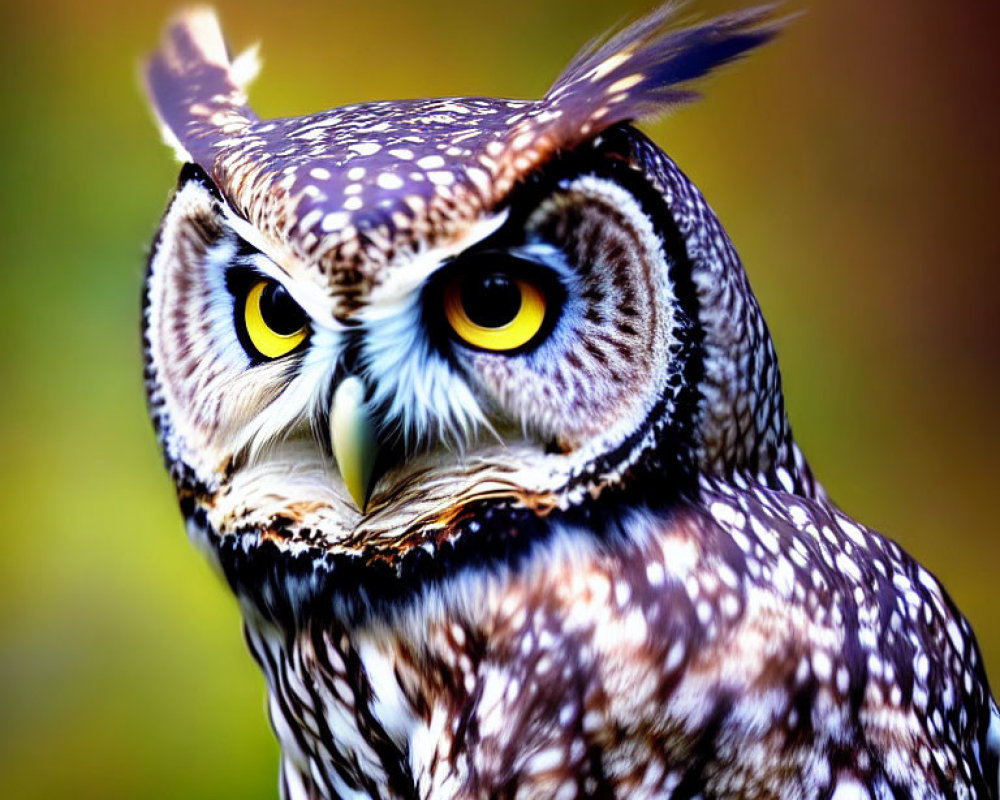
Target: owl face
368,326
503,363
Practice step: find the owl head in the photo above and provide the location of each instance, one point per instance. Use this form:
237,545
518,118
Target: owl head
392,331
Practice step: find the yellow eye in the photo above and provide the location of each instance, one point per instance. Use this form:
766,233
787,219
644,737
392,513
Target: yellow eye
274,323
494,311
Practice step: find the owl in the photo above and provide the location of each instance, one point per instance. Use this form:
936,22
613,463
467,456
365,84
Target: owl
471,403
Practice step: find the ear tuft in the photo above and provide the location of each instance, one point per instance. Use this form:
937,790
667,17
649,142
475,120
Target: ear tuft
196,90
643,69
246,66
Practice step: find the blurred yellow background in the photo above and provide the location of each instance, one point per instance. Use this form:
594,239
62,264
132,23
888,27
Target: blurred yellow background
854,163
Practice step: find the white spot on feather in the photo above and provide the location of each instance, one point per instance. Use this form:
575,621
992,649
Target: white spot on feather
389,181
849,789
608,65
623,84
365,149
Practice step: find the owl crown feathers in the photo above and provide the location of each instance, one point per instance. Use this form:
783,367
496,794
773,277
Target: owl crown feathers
198,95
198,91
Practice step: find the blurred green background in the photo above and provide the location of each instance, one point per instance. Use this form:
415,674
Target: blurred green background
854,163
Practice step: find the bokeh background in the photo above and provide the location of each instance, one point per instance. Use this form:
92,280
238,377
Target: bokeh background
854,163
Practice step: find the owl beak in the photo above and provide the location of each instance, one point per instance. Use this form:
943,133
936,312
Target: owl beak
352,436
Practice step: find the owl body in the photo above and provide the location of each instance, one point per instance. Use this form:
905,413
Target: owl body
471,403
691,652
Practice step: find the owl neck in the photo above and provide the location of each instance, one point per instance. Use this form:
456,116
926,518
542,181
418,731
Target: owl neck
290,589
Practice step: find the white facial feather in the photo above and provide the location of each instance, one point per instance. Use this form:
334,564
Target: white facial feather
423,395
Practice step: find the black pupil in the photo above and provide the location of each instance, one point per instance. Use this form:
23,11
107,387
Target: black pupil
491,300
281,314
